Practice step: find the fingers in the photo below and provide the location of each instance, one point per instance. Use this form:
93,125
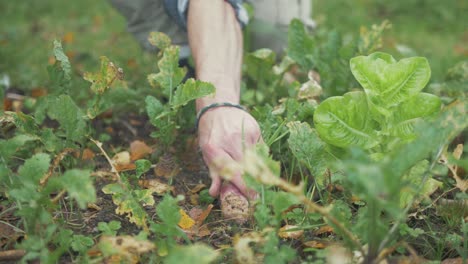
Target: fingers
215,184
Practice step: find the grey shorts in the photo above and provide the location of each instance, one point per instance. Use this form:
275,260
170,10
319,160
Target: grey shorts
169,16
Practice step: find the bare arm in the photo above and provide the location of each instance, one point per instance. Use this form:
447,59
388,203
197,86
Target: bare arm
215,38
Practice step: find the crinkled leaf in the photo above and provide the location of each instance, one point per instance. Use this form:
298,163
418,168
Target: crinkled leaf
168,210
191,90
81,243
110,228
105,77
170,75
309,149
281,200
51,142
9,147
430,137
413,180
63,59
79,185
259,64
154,108
69,115
144,196
409,112
142,166
159,40
344,121
388,83
300,44
34,168
128,203
196,253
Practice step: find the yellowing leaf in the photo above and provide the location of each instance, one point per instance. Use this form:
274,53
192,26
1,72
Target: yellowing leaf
159,40
185,221
107,75
121,158
123,249
155,186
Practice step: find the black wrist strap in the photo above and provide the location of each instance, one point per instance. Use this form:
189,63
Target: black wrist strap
215,105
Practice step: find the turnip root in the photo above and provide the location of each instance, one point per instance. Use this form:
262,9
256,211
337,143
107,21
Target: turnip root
234,205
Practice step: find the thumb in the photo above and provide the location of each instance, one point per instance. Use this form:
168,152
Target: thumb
215,184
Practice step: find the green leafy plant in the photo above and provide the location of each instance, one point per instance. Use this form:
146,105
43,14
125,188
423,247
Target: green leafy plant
166,116
385,113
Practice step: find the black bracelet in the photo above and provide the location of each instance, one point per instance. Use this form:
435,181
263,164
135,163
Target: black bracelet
215,105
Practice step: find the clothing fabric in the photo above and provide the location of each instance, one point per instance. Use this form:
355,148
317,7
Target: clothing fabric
177,9
269,26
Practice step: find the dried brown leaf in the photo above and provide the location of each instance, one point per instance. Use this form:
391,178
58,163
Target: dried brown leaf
139,149
324,230
295,234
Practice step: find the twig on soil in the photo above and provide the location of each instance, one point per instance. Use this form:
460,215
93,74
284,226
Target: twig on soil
54,165
129,127
114,170
10,255
58,196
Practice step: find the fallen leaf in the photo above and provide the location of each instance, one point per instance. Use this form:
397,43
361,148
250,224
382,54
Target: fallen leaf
121,158
453,261
323,230
121,161
123,248
139,149
185,222
167,167
198,188
87,154
243,248
195,212
155,186
201,218
194,199
316,244
285,233
38,92
68,38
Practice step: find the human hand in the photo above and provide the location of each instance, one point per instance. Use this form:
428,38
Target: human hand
224,132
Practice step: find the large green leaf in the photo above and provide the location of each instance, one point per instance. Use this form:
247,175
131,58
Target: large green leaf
63,59
154,108
345,121
170,75
9,147
79,185
387,82
409,112
35,167
70,117
300,44
191,90
309,149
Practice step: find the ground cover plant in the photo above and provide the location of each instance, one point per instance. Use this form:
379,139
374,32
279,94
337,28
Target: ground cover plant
364,158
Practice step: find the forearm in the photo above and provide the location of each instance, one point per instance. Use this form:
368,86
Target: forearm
215,38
